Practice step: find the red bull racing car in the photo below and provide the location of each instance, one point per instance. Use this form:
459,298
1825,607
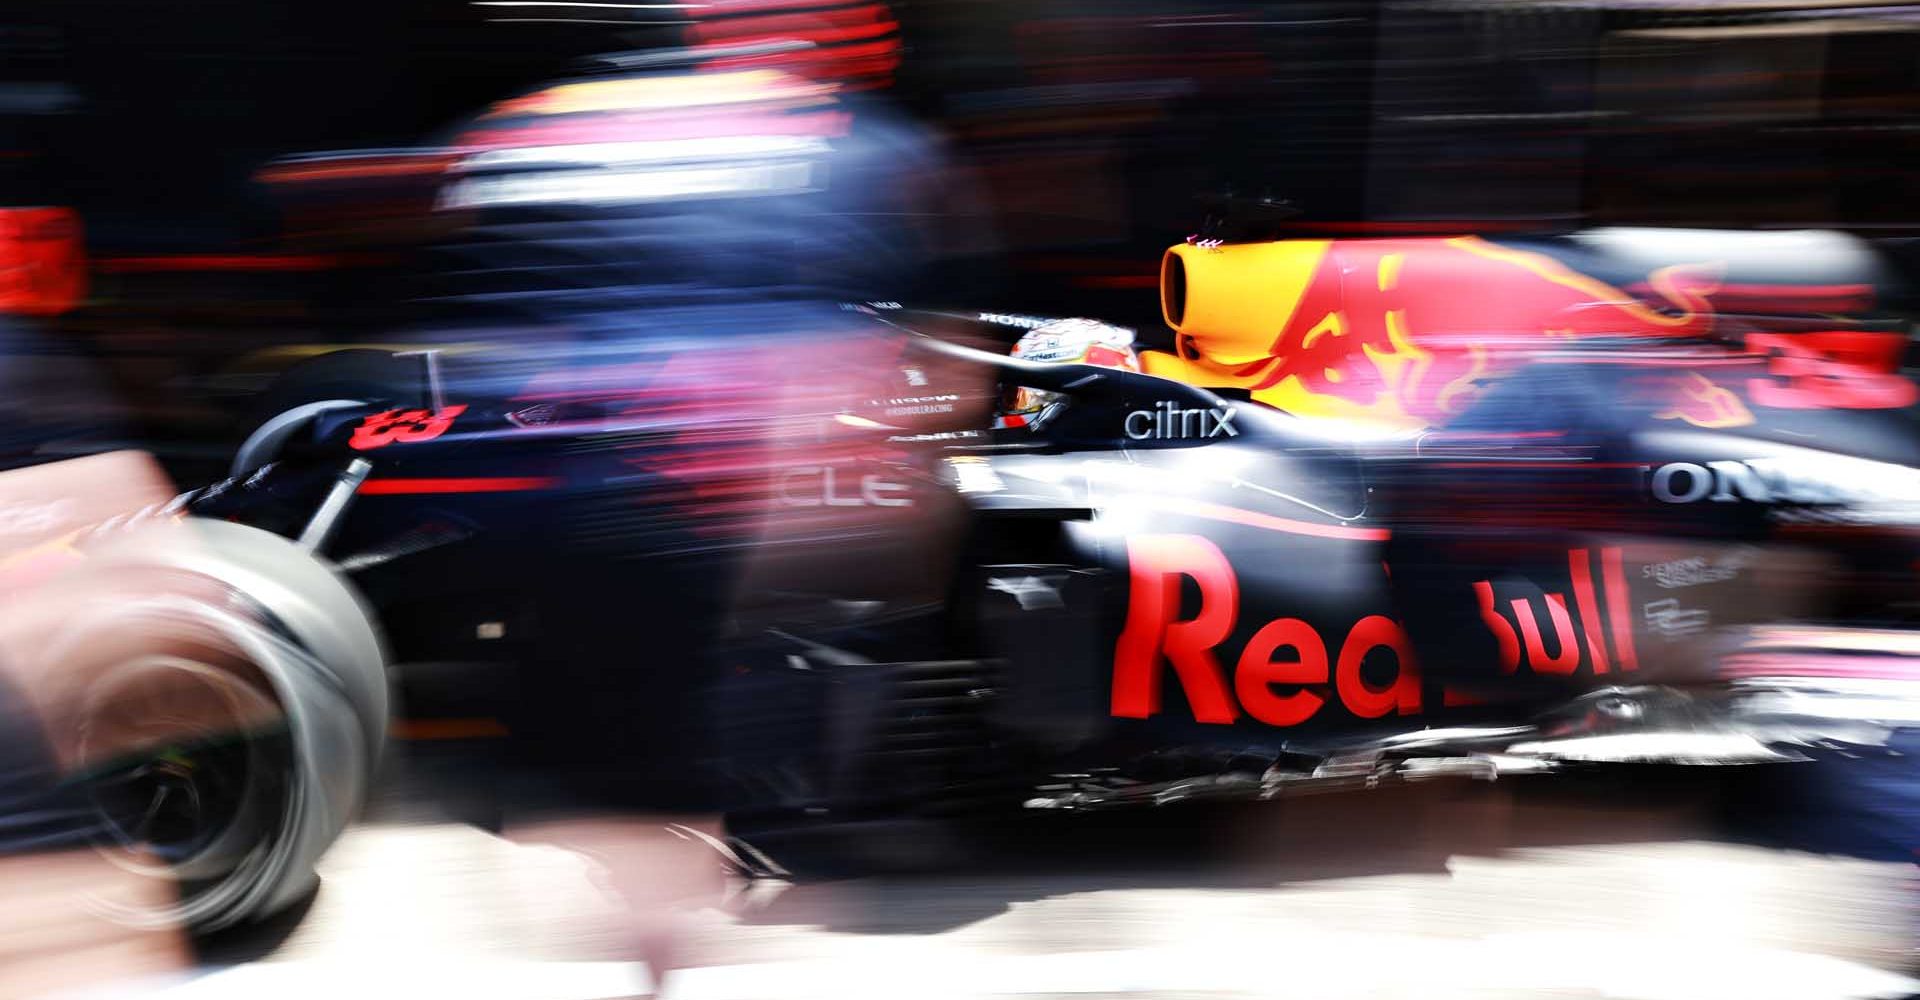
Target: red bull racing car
661,508
1337,533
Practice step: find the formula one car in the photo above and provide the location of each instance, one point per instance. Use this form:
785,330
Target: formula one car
656,504
1342,533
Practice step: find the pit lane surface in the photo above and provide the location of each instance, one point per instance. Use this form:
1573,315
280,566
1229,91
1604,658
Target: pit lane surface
1438,891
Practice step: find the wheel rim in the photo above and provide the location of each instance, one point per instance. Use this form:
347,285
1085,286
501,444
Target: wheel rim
179,799
206,807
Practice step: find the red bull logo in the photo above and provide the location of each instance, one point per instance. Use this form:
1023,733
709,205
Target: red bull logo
1392,330
1695,399
1289,671
1283,676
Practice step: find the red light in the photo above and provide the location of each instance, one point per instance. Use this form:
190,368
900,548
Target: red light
43,266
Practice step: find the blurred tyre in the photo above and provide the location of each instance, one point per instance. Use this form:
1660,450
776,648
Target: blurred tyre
232,715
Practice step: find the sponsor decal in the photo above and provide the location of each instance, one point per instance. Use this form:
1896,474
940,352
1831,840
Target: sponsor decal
1668,618
1014,319
1038,347
1522,640
907,406
1693,572
1283,676
403,427
836,486
1167,421
1804,479
1289,670
1685,482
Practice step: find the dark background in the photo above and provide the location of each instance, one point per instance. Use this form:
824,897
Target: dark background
1086,135
1092,123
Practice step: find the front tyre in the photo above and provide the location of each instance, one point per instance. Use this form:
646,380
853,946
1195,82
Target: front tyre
235,709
